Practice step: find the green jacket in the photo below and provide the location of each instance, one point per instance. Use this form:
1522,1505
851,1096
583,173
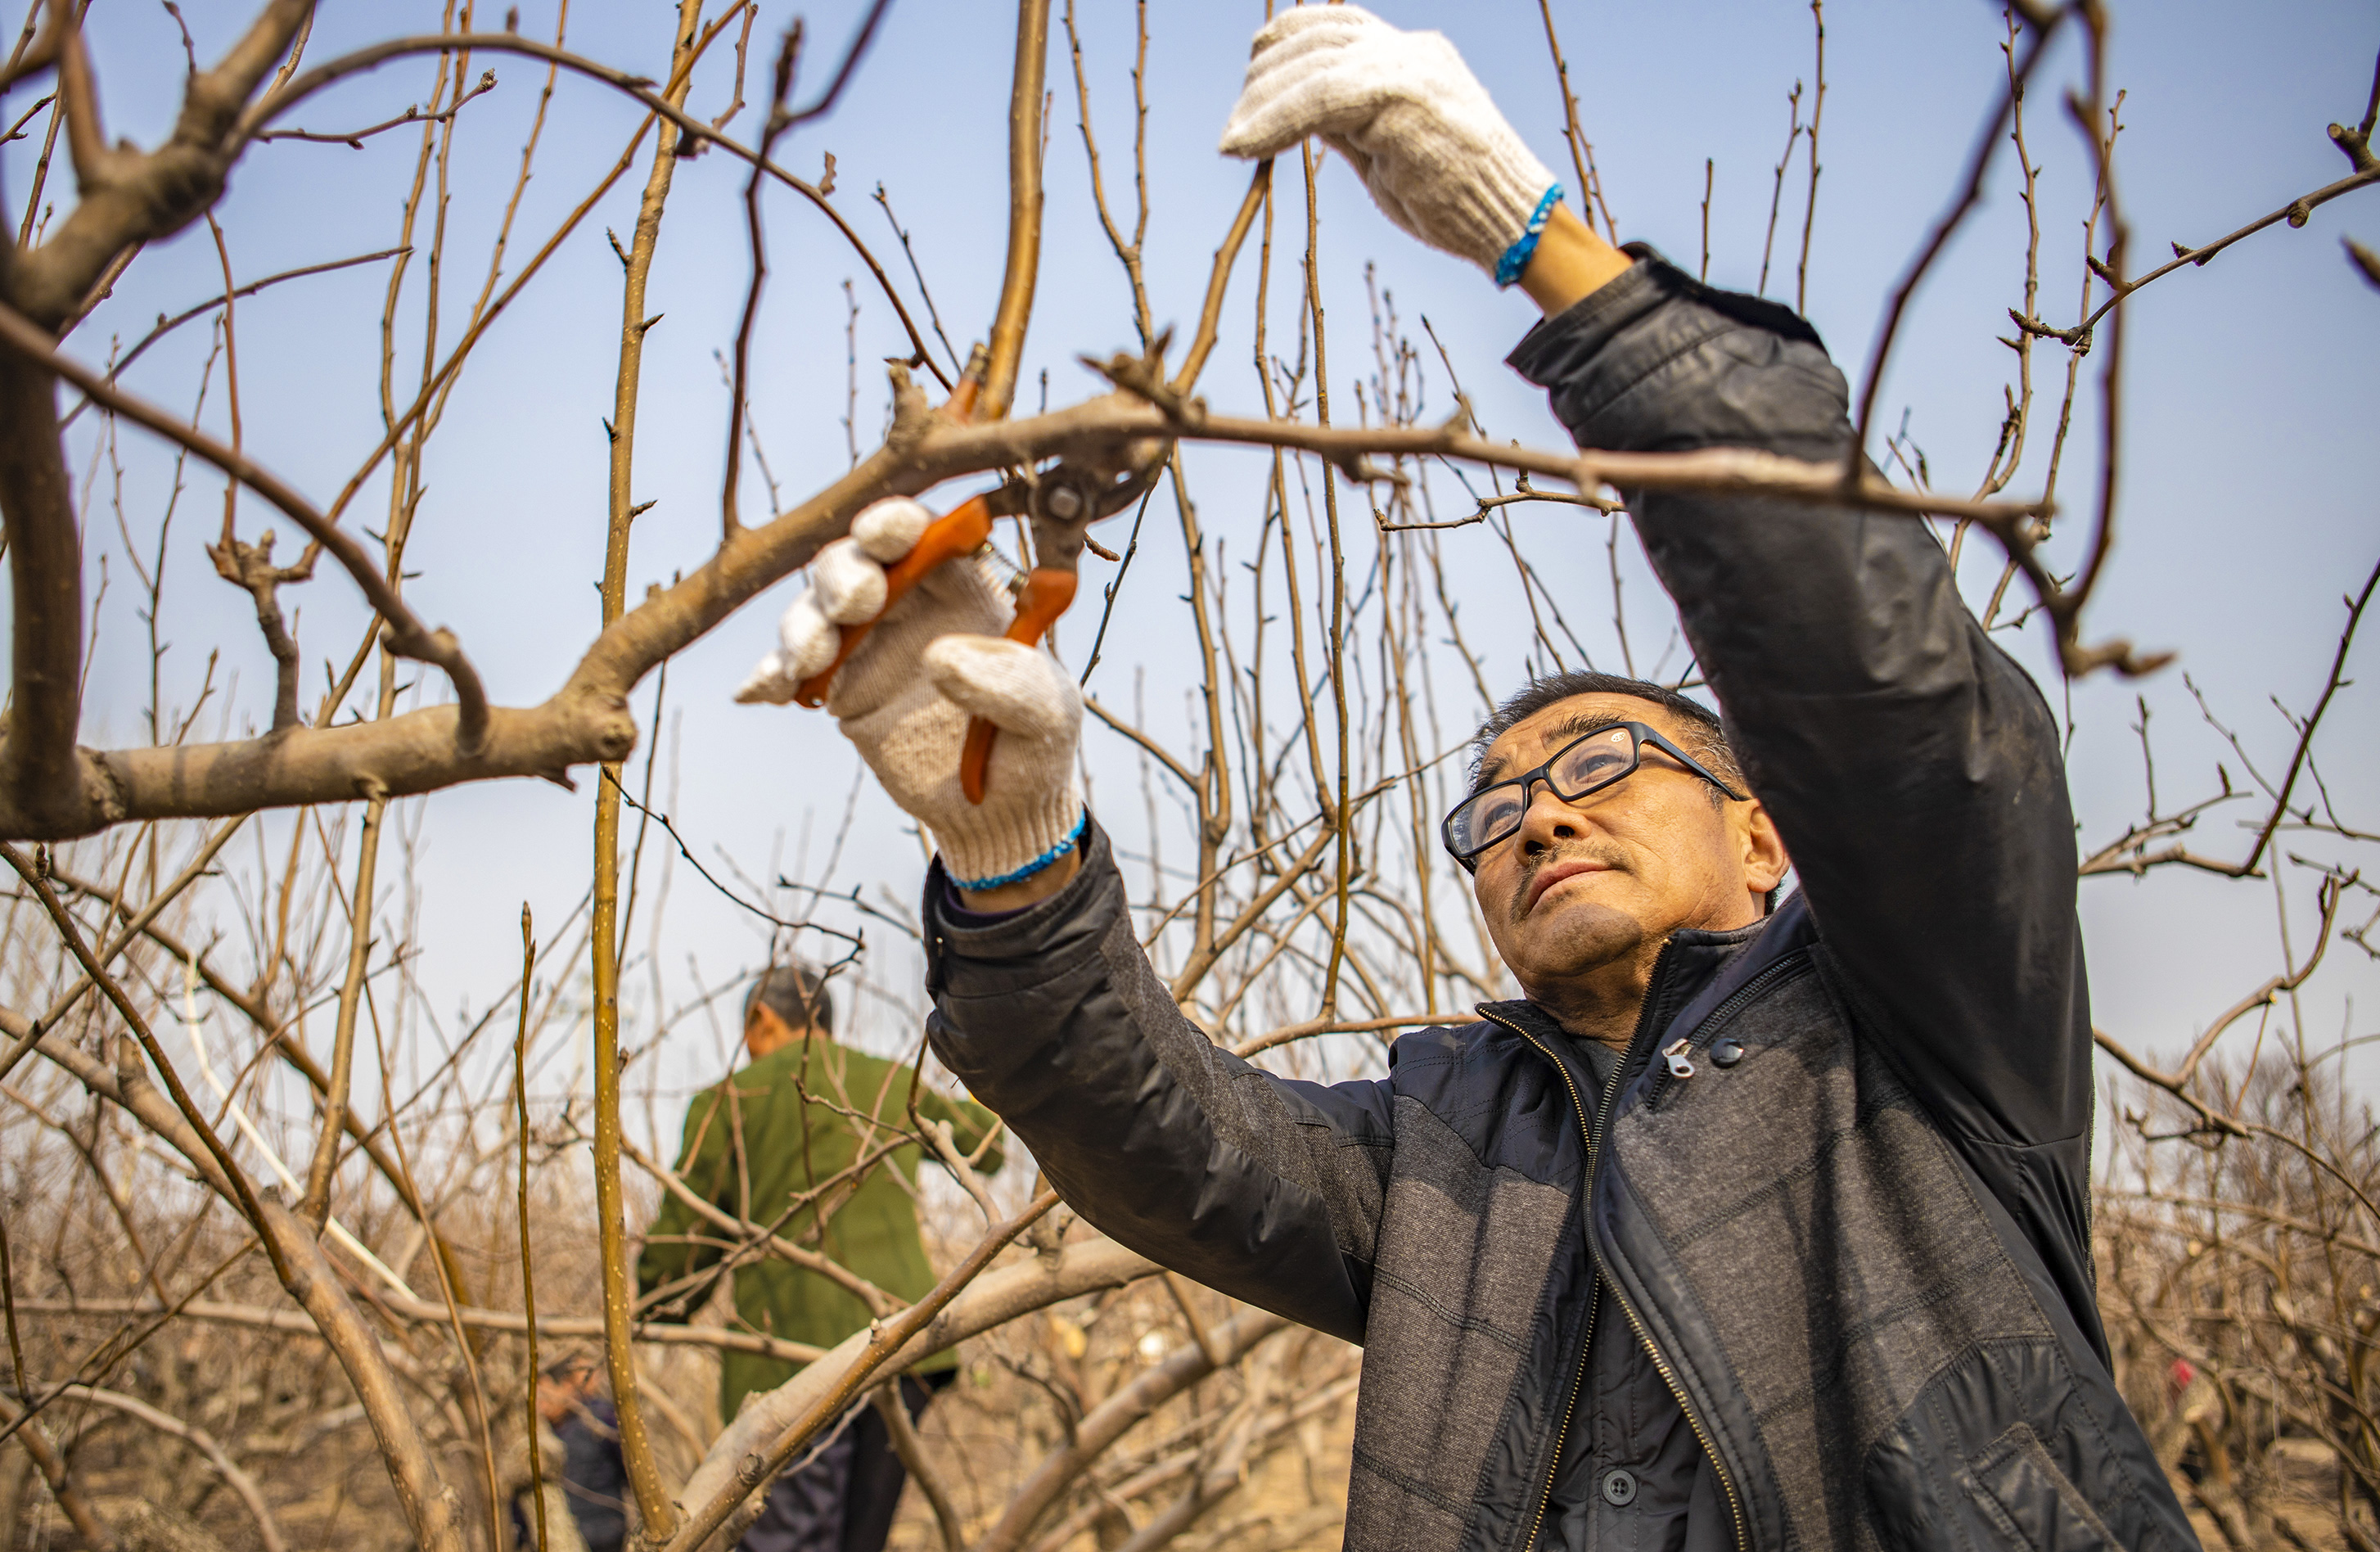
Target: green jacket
790,1148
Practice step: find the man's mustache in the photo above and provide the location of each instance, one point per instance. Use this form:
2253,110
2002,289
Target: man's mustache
1604,856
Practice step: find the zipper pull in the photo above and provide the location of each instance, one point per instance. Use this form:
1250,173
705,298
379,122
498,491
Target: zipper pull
1679,1066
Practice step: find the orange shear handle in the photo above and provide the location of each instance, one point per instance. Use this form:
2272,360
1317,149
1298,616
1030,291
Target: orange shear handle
960,531
1047,594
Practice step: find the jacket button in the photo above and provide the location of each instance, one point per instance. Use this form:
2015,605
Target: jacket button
1620,1488
1727,1052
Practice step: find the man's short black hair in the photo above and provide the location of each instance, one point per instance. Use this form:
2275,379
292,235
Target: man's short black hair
1705,737
571,1365
795,993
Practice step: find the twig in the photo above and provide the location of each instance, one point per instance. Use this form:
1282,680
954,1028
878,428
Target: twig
138,923
355,137
168,325
856,940
1818,112
1978,164
243,1486
63,1487
1338,805
788,53
742,52
1127,253
529,1266
1582,153
851,384
2177,1082
8,1292
933,315
404,634
1202,342
235,1181
2299,756
17,130
1710,168
1179,1287
282,99
653,1499
1107,1422
423,1312
1777,190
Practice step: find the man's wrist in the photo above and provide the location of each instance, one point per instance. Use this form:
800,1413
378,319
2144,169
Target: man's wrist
1570,263
1025,891
1036,880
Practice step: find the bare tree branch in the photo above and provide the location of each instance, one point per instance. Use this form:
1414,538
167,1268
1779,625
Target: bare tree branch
736,1464
243,1486
1025,120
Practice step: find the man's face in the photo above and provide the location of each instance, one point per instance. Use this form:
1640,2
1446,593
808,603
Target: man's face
763,1031
766,1031
559,1395
1610,876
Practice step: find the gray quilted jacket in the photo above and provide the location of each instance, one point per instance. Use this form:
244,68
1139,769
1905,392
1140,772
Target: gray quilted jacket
1854,1245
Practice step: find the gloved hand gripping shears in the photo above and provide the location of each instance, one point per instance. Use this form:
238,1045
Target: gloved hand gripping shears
1061,504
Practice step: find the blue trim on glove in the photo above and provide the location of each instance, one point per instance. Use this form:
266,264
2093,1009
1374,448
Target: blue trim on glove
1046,860
1516,258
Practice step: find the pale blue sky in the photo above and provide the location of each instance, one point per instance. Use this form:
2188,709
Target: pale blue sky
2246,506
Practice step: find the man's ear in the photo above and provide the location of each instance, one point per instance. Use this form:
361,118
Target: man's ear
1765,862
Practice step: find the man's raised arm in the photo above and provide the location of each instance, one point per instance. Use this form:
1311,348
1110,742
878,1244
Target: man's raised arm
1912,767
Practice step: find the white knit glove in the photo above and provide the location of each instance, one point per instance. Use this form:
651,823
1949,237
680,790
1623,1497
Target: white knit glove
905,695
1439,160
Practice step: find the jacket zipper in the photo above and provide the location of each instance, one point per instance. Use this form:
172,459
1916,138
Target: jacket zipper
1735,1003
1704,1033
1588,1137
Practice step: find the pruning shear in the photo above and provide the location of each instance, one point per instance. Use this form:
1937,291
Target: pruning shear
1061,502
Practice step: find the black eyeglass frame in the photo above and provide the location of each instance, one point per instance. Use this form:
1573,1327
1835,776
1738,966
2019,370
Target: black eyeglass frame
1639,733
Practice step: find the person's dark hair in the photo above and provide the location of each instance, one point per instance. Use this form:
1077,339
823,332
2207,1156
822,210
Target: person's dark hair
1704,737
572,1366
793,992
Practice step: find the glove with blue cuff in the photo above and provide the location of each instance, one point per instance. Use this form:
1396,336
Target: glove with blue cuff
904,698
1438,158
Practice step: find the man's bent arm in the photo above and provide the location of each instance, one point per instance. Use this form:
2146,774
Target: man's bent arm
1910,766
1264,1188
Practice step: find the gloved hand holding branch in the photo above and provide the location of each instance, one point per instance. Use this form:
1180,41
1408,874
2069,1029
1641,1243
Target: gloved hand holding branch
904,698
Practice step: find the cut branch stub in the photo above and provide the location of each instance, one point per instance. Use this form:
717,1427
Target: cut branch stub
250,567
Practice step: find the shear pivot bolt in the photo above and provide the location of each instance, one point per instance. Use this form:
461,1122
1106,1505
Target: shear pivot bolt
1063,503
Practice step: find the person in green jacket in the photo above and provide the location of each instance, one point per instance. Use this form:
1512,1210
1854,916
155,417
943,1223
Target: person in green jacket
812,1140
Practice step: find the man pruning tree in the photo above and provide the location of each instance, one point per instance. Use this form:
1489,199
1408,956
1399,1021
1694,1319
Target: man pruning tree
1744,1227
807,1141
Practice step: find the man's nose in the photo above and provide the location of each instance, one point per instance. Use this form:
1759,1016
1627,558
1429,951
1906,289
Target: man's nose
1547,818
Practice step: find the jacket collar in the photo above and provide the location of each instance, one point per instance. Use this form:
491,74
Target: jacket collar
1689,962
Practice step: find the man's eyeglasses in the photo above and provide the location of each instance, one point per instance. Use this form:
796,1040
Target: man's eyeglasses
1585,765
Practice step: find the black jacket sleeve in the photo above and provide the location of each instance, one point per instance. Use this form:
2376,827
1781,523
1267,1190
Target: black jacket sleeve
1913,769
1265,1188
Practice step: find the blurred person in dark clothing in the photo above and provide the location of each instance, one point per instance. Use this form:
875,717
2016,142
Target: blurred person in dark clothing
579,1445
